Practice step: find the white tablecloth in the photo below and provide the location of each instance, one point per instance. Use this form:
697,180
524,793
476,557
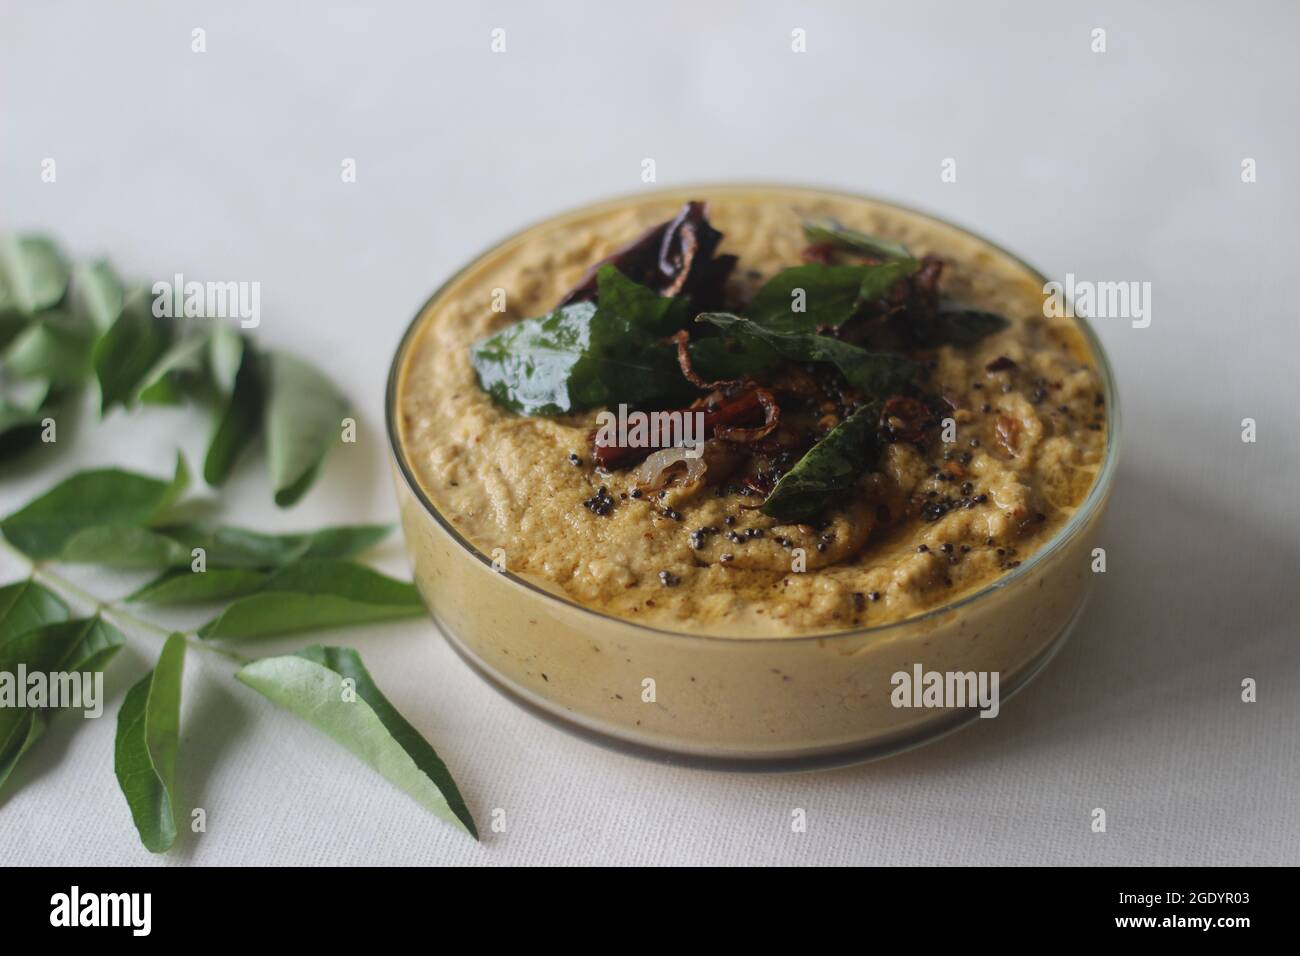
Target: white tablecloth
1123,165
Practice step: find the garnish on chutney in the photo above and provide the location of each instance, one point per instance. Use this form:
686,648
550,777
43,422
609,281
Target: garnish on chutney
654,325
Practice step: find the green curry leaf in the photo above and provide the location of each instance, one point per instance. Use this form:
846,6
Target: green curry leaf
97,293
12,323
33,274
27,605
226,348
315,594
54,347
238,561
180,372
87,499
183,586
24,405
241,395
230,547
54,644
148,733
303,416
132,543
331,689
126,353
123,546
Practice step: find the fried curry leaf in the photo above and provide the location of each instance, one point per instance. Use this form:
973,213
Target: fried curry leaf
828,468
631,309
729,357
584,355
830,232
804,298
952,324
331,689
875,374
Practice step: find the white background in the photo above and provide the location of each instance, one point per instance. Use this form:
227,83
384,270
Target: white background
1116,166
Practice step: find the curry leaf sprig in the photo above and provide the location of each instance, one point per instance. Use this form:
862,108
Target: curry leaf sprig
261,585
63,327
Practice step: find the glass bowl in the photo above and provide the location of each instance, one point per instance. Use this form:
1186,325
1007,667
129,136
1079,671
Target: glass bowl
740,702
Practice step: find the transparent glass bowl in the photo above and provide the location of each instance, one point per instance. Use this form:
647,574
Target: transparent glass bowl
748,703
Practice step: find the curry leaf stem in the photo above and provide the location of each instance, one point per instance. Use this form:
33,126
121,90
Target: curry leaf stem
110,609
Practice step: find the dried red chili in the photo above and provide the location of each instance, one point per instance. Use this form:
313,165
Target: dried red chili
676,257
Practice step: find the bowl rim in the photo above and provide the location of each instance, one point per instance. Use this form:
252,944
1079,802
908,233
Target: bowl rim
1094,500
